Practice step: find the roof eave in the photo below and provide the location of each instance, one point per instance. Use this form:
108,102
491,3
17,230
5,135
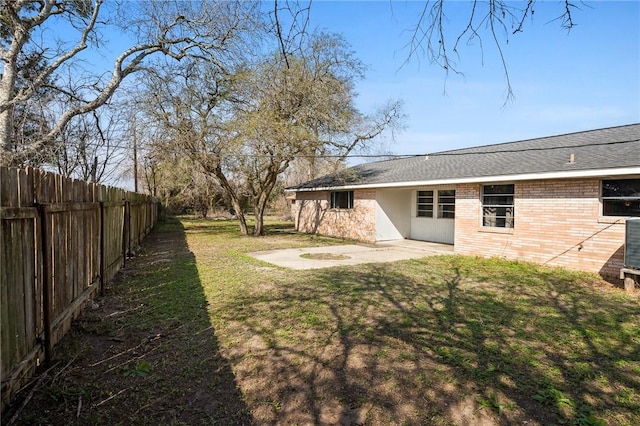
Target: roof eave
573,174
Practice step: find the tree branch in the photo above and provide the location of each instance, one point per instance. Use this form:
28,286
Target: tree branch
44,75
428,36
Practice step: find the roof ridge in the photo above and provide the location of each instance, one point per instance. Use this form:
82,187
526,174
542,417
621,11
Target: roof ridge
583,132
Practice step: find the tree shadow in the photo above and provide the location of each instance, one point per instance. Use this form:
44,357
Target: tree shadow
446,340
441,341
309,215
145,353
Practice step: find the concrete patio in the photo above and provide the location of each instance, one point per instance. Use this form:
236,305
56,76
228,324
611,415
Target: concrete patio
354,254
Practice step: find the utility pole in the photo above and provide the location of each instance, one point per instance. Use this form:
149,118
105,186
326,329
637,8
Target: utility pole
94,170
135,157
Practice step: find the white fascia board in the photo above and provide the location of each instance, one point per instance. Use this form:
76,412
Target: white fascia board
482,179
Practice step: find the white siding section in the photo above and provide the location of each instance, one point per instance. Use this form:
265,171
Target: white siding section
434,230
392,220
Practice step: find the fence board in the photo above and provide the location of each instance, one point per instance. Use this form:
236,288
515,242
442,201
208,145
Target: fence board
29,268
18,213
25,197
9,179
61,240
18,304
11,289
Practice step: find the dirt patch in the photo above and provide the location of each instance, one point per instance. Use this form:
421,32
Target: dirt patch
134,359
324,256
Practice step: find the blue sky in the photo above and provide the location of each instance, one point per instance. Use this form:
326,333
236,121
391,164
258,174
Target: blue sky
562,81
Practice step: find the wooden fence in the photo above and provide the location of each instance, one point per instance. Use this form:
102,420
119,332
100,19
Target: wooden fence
61,241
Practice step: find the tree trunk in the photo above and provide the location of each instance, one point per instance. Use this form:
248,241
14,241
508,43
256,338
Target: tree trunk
5,135
262,200
235,201
240,215
258,228
7,89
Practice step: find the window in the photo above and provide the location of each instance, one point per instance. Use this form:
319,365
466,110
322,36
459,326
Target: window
447,204
497,206
445,200
621,197
424,204
341,200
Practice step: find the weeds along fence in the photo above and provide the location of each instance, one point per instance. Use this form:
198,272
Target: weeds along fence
61,241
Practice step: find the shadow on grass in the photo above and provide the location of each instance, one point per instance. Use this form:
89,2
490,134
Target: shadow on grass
147,355
449,340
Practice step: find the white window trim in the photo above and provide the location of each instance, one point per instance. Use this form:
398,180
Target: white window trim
482,207
432,204
609,218
438,204
435,205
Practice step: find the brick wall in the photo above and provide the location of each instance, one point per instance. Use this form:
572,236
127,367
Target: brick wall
557,223
312,214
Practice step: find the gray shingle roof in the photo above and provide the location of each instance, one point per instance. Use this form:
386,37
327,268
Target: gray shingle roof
610,148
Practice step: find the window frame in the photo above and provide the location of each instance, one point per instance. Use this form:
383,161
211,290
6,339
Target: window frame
444,213
425,212
631,199
507,222
337,200
433,204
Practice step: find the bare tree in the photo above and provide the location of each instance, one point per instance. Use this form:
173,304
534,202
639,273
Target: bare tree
245,124
180,183
91,147
173,29
304,108
434,38
192,102
32,118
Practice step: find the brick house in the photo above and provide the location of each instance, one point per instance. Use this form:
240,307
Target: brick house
559,200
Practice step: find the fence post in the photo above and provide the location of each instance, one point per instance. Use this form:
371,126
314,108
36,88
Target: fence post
46,198
46,283
102,248
126,231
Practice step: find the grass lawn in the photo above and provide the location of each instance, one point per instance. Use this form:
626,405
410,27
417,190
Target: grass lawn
195,331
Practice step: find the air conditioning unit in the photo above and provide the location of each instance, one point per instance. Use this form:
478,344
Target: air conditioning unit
632,244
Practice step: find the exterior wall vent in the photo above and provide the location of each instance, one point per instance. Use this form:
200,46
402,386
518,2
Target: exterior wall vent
632,244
